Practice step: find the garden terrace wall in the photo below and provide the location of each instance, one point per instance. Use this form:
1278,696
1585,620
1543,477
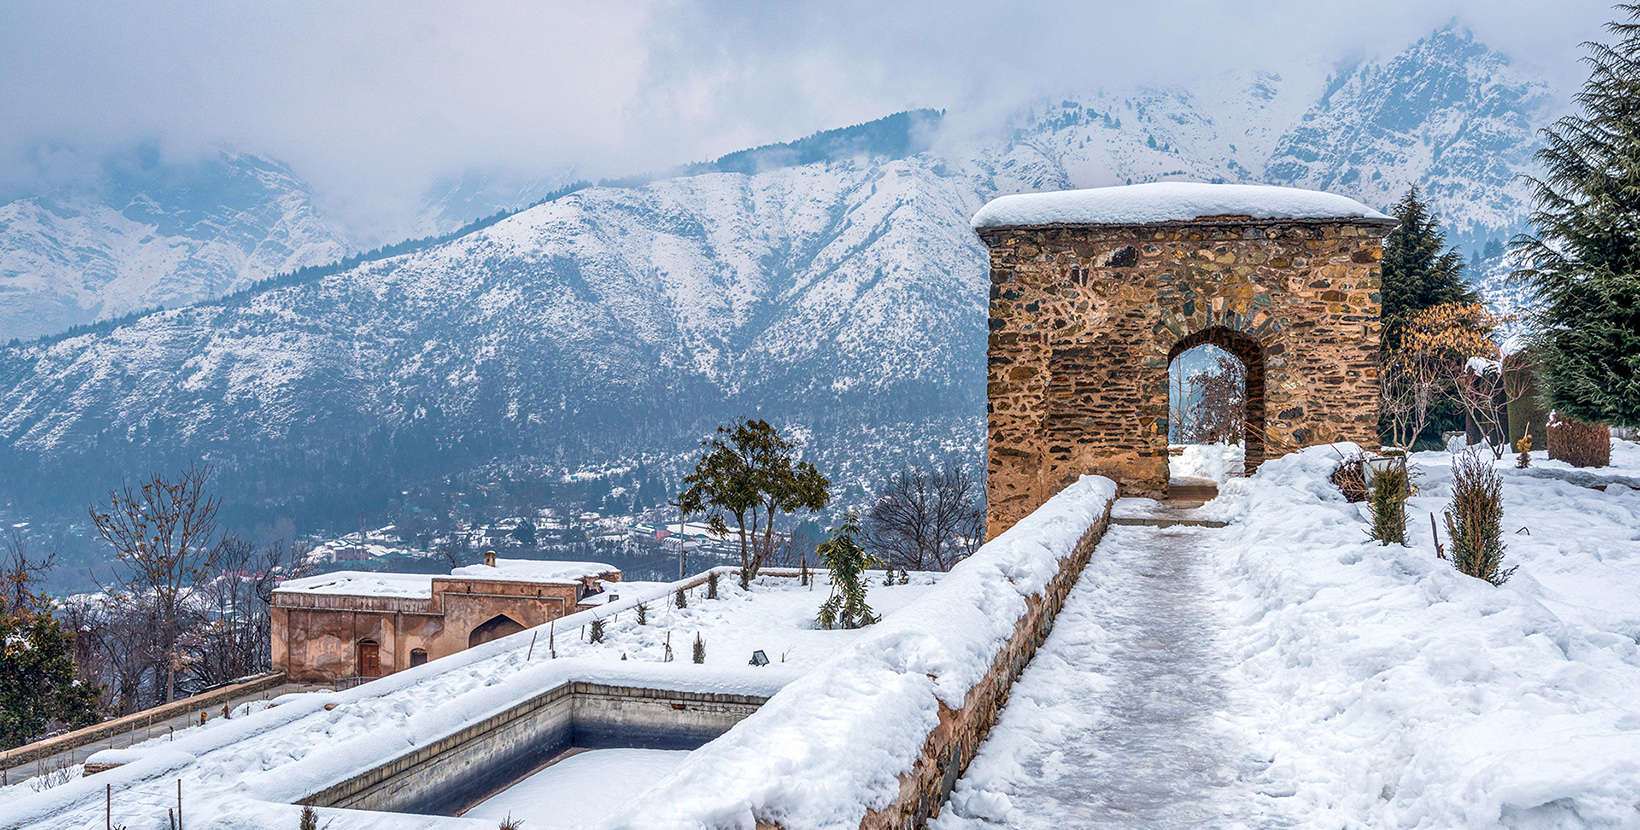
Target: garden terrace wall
878,734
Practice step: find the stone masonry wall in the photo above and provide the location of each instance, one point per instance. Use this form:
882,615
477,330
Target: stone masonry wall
1084,322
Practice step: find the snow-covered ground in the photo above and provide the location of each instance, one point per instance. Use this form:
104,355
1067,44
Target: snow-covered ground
580,790
245,771
1334,682
1214,462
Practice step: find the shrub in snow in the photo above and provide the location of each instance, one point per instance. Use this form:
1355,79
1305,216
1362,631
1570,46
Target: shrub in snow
597,635
681,600
1524,447
848,562
711,585
1579,443
310,819
700,648
1350,477
1388,501
643,614
509,823
1475,519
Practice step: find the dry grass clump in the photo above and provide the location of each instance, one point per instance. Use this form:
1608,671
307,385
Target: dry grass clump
1579,443
1350,477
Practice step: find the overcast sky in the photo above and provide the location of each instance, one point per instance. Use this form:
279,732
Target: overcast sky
373,101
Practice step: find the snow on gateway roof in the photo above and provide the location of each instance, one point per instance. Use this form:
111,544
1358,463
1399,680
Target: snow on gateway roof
1142,204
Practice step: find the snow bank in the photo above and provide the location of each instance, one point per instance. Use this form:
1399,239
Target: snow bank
1166,202
833,743
1389,690
1214,462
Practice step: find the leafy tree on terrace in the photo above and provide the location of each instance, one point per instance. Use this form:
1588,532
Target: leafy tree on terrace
748,472
1584,260
1419,270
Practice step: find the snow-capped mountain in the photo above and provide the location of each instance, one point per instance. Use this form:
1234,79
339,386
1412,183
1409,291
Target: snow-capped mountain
1447,114
832,286
150,234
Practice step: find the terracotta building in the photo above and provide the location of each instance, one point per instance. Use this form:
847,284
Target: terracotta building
357,624
1094,293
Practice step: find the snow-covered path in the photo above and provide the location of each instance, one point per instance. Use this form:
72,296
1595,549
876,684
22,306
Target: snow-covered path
1120,719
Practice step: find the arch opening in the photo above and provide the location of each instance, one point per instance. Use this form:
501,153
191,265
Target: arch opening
494,628
418,656
1216,398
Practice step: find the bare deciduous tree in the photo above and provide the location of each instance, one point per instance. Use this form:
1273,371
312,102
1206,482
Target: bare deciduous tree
165,535
926,519
235,639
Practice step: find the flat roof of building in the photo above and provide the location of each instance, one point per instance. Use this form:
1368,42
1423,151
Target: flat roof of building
534,570
420,586
1146,204
363,583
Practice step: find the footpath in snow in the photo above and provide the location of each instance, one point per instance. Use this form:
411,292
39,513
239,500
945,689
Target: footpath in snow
1288,671
1119,721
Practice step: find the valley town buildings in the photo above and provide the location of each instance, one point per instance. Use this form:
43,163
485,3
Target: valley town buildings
357,624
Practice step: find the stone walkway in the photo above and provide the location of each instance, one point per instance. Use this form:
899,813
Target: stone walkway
1119,721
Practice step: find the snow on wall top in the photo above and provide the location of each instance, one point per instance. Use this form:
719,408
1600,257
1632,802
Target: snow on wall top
534,570
1141,204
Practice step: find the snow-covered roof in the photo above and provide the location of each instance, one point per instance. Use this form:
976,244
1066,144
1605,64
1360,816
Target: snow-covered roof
363,583
1142,204
533,570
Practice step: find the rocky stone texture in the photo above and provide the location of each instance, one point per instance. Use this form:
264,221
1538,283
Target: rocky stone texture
1084,322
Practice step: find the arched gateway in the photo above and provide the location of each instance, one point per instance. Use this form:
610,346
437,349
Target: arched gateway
1094,292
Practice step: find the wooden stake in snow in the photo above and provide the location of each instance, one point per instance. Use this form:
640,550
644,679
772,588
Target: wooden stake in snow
531,652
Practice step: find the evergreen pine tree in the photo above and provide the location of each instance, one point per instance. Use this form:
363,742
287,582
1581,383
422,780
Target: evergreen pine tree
1419,269
1584,260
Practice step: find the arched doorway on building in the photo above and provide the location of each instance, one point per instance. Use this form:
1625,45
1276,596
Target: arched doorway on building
1216,406
418,656
369,658
494,628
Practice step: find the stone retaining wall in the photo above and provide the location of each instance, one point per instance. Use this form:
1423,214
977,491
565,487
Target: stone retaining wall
952,744
459,770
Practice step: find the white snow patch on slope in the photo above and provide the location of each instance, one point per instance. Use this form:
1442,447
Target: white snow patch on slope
1166,202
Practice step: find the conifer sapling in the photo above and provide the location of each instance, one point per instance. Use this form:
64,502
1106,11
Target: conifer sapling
700,649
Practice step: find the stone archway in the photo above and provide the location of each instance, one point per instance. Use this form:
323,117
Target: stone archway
494,628
1250,352
1085,319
